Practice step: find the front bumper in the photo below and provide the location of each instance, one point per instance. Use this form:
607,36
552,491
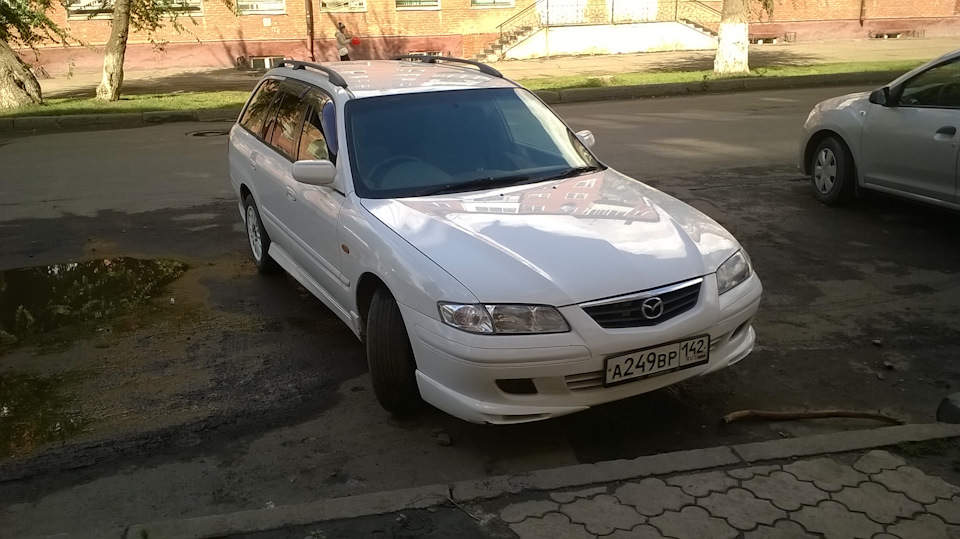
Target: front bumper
457,372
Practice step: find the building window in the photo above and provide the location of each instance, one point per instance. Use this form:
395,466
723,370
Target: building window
576,195
538,208
585,183
539,195
261,7
491,3
343,5
418,4
103,9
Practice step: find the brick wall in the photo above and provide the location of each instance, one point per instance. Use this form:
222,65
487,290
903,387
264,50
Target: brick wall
218,36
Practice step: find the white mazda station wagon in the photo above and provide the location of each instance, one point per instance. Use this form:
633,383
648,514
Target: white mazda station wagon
492,265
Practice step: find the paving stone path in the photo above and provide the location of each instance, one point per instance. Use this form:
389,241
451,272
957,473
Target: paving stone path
878,497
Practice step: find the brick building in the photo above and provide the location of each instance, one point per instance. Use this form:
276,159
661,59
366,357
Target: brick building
216,34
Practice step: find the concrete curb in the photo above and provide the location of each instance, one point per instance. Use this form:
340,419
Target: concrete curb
261,520
49,124
125,120
576,95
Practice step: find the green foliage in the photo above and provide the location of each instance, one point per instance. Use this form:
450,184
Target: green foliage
26,22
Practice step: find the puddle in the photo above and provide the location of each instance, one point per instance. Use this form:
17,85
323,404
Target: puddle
34,411
37,301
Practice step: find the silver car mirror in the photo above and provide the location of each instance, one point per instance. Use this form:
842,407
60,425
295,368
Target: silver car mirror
320,172
880,97
587,138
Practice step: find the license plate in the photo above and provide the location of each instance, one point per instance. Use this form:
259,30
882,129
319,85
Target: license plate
658,360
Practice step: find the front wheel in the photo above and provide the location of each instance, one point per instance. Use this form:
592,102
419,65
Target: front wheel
832,174
390,356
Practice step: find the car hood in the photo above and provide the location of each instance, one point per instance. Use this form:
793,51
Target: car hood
560,242
855,101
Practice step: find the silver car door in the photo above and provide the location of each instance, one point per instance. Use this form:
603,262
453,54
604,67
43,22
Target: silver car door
911,144
314,210
274,166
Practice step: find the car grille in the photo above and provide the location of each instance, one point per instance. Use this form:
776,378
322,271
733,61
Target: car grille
629,312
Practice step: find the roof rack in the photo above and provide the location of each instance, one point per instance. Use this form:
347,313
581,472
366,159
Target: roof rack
334,77
431,59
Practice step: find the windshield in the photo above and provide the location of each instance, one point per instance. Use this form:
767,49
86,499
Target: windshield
459,140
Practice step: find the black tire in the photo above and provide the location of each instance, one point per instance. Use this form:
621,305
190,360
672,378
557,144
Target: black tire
390,356
833,177
257,238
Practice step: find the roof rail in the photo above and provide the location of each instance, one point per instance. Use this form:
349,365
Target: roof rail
334,77
431,59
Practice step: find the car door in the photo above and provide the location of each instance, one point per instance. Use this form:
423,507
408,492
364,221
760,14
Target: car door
911,145
246,145
314,210
274,165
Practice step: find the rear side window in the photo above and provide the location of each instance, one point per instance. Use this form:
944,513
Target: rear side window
256,111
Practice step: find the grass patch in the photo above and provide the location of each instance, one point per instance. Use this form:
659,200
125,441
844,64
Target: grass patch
176,101
636,79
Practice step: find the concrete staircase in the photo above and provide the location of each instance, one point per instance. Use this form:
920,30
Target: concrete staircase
706,30
494,51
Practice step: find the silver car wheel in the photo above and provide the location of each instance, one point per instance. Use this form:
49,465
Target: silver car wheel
825,171
253,234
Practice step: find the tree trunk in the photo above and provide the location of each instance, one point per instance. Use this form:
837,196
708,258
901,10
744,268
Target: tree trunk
109,88
18,85
733,38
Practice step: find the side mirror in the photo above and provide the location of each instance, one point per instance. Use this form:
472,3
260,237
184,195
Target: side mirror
587,138
880,97
320,172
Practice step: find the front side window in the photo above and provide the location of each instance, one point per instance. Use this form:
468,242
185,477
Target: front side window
256,111
458,141
313,136
261,7
936,87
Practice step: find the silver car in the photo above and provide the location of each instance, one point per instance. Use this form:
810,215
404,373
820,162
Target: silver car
900,139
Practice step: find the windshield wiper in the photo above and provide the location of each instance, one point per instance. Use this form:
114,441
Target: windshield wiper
474,185
571,172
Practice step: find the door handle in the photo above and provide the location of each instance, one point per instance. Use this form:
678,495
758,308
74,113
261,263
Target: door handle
947,130
253,160
291,194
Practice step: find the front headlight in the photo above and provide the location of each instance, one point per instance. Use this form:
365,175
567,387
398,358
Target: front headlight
734,271
502,318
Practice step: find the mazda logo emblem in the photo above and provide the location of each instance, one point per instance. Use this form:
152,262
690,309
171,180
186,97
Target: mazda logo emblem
652,308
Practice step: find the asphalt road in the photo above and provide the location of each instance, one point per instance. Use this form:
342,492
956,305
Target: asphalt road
272,404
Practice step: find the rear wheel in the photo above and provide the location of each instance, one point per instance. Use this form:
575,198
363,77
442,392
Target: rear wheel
258,238
390,356
832,174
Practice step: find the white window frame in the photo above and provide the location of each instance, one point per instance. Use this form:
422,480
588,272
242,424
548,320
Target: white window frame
269,7
492,4
576,196
343,5
106,12
428,5
585,184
